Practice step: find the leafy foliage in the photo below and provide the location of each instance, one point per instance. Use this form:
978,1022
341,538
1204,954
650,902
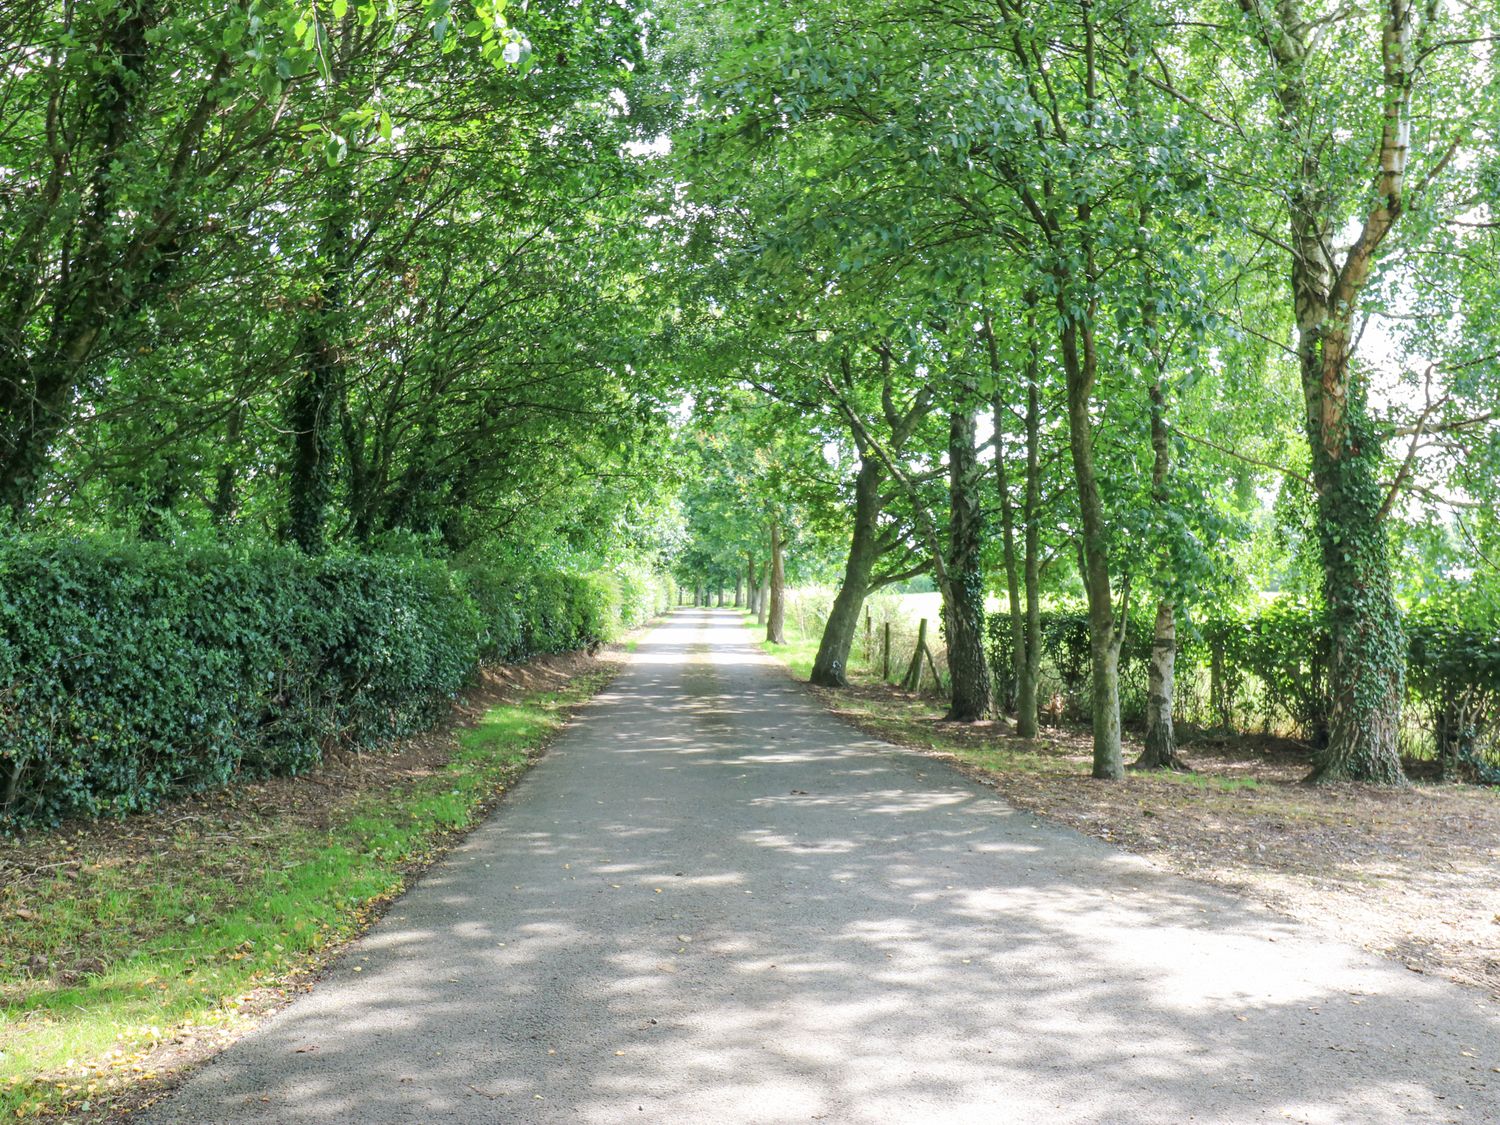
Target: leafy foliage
133,670
1268,668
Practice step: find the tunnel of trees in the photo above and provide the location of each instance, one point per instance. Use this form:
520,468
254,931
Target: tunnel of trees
345,346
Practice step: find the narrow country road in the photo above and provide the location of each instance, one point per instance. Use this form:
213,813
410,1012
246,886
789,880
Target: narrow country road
712,903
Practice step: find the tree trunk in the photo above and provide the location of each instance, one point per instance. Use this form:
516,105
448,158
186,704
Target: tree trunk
963,590
225,504
1031,668
776,621
310,470
763,599
1080,363
1024,662
739,590
1367,661
1011,695
316,406
830,667
1367,655
752,592
1161,740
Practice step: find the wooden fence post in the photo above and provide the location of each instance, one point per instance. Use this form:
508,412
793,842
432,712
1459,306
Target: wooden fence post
912,681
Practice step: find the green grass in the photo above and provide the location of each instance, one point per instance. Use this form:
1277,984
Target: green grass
185,942
908,720
902,718
797,654
1202,781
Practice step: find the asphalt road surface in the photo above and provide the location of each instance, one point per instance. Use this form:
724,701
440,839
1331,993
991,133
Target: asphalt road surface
714,903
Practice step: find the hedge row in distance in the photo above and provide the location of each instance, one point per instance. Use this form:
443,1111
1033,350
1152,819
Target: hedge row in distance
133,671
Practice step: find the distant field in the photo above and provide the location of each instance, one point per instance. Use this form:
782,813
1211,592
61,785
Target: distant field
807,610
811,604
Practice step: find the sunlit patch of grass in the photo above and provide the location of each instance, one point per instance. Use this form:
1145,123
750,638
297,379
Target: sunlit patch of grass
171,947
1208,781
799,652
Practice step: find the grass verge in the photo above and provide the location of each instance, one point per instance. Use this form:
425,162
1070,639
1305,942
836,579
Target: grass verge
797,654
122,964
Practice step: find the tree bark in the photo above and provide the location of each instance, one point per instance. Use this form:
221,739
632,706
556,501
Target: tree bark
1367,662
316,406
1010,696
225,503
1160,750
1025,621
1031,669
1367,655
310,468
1161,742
830,666
776,621
1080,364
763,599
963,588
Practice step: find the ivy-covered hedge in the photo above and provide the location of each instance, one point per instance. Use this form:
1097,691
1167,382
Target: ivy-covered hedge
131,671
1267,670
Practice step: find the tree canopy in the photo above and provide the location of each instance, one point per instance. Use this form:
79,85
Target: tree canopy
1149,309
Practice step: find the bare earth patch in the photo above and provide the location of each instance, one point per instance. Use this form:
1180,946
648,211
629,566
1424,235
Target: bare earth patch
1412,874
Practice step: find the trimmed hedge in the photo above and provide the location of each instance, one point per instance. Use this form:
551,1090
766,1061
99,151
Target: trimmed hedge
133,671
1268,669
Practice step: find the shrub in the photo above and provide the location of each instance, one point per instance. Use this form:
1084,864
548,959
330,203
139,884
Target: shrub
132,671
1269,667
1453,678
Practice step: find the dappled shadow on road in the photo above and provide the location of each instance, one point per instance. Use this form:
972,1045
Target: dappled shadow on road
714,903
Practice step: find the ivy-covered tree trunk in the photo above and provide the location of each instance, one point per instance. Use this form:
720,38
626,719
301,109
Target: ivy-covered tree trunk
310,418
1367,654
315,412
831,664
1367,660
225,503
776,620
963,583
